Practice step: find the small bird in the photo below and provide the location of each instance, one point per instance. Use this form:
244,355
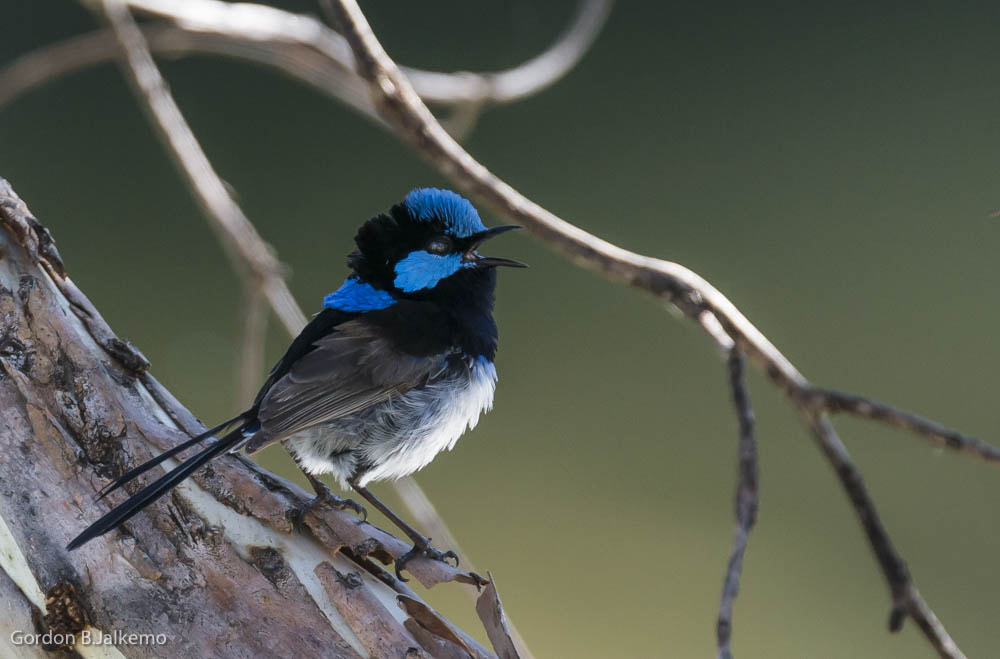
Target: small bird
391,372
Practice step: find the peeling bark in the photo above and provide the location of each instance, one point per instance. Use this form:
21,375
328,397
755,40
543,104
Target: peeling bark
216,567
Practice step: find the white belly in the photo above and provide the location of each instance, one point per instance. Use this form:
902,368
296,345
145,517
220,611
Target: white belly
402,435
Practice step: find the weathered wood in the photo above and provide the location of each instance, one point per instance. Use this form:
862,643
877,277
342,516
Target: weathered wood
490,611
217,567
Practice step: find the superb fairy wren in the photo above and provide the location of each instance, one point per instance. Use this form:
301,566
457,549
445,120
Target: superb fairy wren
391,372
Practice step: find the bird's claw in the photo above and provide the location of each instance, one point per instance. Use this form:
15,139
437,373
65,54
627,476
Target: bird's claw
328,499
344,504
427,551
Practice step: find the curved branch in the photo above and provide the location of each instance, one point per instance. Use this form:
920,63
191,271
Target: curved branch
300,62
524,80
400,105
302,47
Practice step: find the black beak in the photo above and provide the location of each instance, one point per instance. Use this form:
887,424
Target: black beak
494,261
491,261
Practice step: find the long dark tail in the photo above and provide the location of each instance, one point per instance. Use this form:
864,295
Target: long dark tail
147,495
149,464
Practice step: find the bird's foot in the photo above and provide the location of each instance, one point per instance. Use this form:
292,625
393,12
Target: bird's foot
330,499
423,548
326,499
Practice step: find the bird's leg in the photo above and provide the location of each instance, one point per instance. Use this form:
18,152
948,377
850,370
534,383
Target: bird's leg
324,497
421,544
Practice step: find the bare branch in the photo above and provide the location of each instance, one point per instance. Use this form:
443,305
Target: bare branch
906,599
526,79
402,108
714,328
299,61
305,49
866,408
250,255
747,500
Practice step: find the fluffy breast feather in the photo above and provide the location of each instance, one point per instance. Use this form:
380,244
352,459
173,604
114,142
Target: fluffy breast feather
403,434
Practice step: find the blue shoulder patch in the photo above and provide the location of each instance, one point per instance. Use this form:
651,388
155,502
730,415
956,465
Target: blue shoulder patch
453,209
356,295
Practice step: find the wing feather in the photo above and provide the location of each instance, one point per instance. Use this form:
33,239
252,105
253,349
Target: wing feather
349,370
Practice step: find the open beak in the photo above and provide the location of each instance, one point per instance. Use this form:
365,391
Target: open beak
492,261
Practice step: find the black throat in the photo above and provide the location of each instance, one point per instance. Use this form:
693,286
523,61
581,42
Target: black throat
468,297
457,313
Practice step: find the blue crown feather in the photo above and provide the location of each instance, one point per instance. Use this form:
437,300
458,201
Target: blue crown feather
453,209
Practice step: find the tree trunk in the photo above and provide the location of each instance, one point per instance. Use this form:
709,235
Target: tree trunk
217,568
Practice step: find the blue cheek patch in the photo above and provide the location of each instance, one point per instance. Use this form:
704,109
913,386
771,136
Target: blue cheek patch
356,295
420,270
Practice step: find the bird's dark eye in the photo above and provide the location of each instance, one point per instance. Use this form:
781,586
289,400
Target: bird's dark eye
439,245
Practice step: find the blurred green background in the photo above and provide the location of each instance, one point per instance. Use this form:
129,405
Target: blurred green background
829,166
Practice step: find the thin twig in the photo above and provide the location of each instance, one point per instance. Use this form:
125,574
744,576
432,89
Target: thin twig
906,599
747,499
670,282
866,408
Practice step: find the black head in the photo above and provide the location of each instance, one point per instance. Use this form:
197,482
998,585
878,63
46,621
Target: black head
426,247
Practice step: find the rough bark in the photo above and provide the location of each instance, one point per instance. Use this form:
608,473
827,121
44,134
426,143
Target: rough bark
216,567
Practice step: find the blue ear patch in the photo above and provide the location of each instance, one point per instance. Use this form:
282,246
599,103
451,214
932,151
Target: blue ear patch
420,270
356,295
454,210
